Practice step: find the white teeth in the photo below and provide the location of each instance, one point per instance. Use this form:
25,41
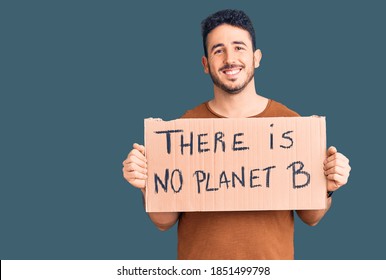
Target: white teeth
232,72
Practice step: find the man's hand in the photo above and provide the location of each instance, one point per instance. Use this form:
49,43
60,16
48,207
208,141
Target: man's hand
135,172
336,169
135,167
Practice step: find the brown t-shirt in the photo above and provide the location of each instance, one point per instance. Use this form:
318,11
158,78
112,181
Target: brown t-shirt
237,235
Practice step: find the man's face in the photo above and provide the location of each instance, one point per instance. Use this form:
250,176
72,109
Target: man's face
231,60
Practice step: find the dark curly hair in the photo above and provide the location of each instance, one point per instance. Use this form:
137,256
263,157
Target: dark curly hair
235,18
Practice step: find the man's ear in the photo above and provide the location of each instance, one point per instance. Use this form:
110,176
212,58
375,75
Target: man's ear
204,61
257,57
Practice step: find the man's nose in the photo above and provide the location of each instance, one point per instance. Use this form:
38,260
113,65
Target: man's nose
230,57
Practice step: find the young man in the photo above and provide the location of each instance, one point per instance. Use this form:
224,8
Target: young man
230,59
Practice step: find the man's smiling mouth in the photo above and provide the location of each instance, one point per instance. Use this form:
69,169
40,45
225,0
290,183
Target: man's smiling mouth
233,71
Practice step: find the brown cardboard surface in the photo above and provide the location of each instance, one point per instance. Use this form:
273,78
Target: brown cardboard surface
235,164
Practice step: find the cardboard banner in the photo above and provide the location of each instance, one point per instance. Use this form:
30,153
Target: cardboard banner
231,164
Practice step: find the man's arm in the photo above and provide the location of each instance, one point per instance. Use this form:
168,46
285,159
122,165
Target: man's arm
312,217
337,170
135,172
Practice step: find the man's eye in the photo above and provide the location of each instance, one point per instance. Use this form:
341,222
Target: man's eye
218,52
239,48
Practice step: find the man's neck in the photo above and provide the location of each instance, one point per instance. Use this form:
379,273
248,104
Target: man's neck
241,105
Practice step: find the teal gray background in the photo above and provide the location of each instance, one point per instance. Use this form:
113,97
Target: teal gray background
79,77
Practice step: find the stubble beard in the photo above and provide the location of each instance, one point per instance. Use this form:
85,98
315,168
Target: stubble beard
232,89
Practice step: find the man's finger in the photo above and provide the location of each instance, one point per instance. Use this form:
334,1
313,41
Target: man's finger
336,170
339,179
134,159
139,155
335,162
332,150
336,156
135,154
132,175
134,167
140,148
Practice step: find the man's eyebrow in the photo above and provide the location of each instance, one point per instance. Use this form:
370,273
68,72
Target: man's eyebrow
233,43
238,43
216,46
